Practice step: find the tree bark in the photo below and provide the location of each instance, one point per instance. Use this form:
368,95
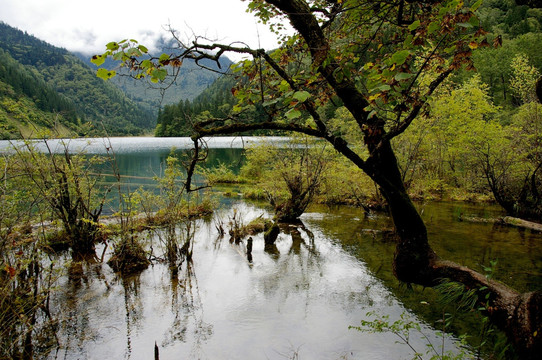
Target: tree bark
413,255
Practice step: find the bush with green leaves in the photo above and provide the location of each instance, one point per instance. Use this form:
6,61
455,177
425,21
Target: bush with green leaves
404,327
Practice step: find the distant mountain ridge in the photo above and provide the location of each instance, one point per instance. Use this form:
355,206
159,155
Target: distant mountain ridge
191,81
43,86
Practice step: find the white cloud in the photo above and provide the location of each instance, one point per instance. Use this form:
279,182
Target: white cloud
86,26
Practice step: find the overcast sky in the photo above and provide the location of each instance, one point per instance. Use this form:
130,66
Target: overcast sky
88,25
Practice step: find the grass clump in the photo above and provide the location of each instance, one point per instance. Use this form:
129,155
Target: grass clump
129,257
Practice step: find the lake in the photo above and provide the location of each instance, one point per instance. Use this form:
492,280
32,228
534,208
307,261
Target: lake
295,300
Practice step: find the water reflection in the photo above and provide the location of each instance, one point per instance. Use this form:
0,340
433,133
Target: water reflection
133,309
208,300
297,299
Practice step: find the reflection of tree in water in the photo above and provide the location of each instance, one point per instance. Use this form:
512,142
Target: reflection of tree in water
303,268
176,241
78,308
294,230
74,314
297,263
76,323
133,308
186,303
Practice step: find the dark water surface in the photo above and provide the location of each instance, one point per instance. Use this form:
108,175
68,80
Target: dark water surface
294,301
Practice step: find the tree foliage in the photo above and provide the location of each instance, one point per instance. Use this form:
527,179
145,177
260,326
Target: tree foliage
524,77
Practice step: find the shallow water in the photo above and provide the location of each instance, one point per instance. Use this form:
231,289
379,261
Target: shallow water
295,300
517,252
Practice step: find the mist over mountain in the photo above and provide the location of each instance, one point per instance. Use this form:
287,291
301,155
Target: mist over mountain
187,85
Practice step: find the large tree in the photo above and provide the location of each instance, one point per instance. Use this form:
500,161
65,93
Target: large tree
381,60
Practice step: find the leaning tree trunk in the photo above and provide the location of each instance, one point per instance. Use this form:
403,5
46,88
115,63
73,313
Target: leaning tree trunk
413,255
518,315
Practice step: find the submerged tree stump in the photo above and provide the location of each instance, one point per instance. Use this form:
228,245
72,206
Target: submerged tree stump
271,233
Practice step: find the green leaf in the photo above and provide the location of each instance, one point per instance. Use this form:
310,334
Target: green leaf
97,60
113,46
476,5
133,52
474,21
293,114
158,74
301,96
119,56
383,87
105,74
163,57
403,76
434,26
270,102
143,49
414,25
284,86
400,57
147,64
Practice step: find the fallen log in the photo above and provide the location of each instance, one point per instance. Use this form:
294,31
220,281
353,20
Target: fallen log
509,220
475,219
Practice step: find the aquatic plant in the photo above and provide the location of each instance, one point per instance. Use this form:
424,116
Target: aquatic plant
403,328
129,257
65,187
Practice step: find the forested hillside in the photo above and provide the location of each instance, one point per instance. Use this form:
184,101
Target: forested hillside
217,100
40,82
28,103
517,28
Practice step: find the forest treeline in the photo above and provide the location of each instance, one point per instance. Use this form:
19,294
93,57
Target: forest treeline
517,27
42,86
17,82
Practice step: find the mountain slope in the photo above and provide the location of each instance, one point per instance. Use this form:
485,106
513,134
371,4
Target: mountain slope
28,105
191,81
98,102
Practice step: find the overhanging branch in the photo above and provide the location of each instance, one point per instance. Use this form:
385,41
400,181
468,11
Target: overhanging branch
403,125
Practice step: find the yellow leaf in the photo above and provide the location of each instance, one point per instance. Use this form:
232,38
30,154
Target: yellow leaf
392,67
374,97
473,45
